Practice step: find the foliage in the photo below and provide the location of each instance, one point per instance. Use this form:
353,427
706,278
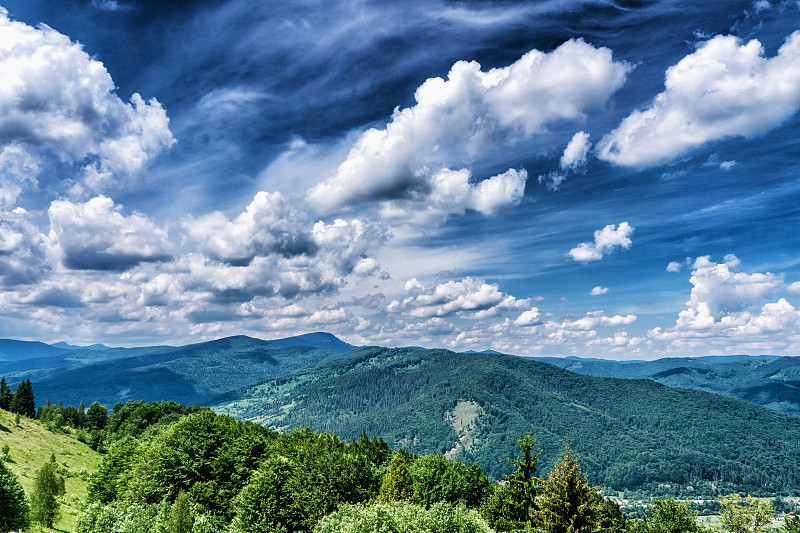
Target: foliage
153,518
402,517
23,401
511,504
632,434
668,516
13,505
791,523
439,479
567,503
5,395
398,485
267,505
47,487
745,514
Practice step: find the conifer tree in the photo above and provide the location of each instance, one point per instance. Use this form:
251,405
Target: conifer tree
398,484
13,505
23,401
5,395
47,486
180,517
567,503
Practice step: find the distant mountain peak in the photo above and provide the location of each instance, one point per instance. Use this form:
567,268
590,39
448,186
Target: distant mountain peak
317,339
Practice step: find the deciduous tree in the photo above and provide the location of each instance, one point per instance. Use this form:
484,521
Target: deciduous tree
742,514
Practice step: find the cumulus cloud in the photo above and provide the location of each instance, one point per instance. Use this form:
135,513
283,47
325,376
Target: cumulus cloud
598,290
531,317
606,241
733,307
466,116
726,88
22,257
574,159
95,235
269,224
59,104
674,266
452,193
469,297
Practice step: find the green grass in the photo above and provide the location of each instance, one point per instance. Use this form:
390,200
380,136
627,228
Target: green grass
31,445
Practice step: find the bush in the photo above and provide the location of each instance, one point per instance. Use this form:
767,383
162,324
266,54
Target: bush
401,517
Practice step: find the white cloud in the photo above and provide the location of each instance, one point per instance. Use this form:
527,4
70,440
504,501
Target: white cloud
598,290
531,317
59,104
576,153
674,266
270,224
451,193
606,241
470,297
96,236
467,116
724,89
22,258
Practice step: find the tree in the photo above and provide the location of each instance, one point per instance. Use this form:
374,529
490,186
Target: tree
180,516
510,505
668,516
47,487
567,503
5,395
398,484
96,416
267,505
23,401
745,514
791,524
13,505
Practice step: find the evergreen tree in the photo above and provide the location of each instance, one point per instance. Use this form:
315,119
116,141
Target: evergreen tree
23,401
47,486
511,504
5,395
13,505
567,503
398,484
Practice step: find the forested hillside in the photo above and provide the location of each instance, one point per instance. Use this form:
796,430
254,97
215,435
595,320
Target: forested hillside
626,433
773,382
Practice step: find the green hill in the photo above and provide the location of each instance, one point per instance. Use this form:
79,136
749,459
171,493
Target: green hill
627,434
773,382
189,374
31,445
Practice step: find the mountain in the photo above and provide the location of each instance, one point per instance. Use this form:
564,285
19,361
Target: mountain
770,381
321,340
626,433
13,350
189,374
66,346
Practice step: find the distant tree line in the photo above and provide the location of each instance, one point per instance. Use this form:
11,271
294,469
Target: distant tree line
21,401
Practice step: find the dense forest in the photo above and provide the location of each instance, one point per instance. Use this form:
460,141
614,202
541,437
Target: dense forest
168,468
629,435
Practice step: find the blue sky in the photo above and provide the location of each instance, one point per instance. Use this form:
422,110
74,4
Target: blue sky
593,178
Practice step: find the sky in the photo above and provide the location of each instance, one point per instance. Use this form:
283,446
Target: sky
614,179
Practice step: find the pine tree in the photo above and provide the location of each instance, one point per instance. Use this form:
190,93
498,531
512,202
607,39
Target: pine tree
180,517
47,486
23,401
5,395
398,484
567,503
13,505
522,483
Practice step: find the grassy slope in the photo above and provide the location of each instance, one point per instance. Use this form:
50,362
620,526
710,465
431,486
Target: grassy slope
31,445
625,432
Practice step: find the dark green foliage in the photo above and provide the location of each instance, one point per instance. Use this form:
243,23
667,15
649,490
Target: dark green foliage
611,519
438,479
791,523
5,395
96,416
109,481
48,485
267,504
13,505
398,484
567,503
668,516
23,401
510,506
207,456
632,434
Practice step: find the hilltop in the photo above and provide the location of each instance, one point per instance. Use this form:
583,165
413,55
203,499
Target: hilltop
628,433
